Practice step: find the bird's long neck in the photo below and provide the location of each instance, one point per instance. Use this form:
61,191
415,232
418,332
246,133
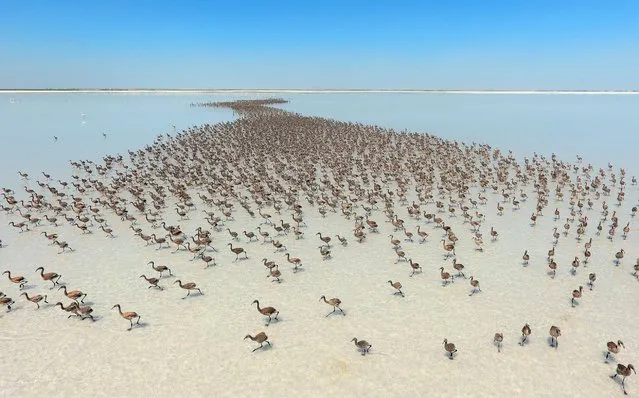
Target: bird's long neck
119,309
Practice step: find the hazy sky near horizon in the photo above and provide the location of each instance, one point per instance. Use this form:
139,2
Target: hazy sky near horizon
499,44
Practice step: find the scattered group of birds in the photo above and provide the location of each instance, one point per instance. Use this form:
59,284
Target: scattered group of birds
369,171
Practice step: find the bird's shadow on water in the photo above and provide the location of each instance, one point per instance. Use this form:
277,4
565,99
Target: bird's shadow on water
141,325
551,342
28,287
611,358
266,347
190,296
273,321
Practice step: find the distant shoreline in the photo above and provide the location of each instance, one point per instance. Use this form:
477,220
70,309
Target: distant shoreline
306,91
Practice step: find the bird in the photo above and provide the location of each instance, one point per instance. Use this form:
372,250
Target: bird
188,287
498,340
362,345
525,332
576,294
160,268
294,260
619,256
83,312
7,301
624,371
592,277
398,287
445,276
274,272
49,276
613,348
335,302
129,316
19,280
555,332
36,299
237,251
268,311
152,281
475,284
526,257
415,267
74,294
450,348
261,338
459,267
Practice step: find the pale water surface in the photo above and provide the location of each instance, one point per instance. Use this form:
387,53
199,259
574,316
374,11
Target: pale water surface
601,128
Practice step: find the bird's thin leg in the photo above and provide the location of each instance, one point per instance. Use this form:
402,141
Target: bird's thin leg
131,321
343,313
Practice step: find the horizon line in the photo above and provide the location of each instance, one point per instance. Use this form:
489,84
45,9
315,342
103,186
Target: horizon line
142,90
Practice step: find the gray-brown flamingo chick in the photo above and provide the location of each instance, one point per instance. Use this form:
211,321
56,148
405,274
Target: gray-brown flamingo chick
575,295
237,251
335,302
49,276
450,348
73,294
498,340
414,266
525,332
36,299
19,280
129,316
7,302
555,332
268,311
475,284
274,273
188,287
261,338
63,246
613,348
70,308
152,281
398,287
362,345
83,312
624,371
592,277
160,268
459,267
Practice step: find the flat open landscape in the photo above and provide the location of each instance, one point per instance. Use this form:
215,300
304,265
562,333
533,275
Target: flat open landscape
481,243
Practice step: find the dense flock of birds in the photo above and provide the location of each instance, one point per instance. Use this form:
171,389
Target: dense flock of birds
358,171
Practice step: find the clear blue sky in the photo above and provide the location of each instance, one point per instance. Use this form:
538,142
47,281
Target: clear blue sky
560,44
